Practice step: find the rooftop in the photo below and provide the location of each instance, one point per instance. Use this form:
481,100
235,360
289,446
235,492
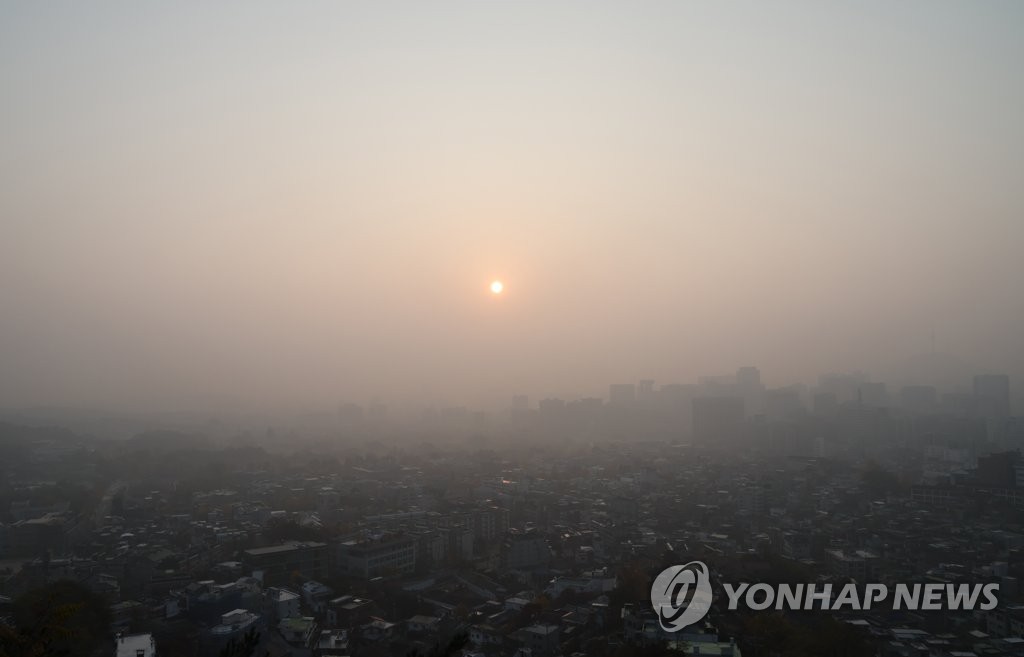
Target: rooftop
129,645
284,547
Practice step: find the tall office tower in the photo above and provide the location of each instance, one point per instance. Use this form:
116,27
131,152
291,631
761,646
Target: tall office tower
750,388
782,403
646,395
999,469
825,403
873,394
717,420
520,410
843,386
748,377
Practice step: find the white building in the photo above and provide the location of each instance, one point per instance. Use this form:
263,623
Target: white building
281,603
135,645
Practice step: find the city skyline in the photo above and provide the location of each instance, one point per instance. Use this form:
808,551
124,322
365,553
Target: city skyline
561,328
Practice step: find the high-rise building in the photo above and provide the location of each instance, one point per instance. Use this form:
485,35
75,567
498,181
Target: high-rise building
749,386
843,386
717,419
748,377
782,403
382,555
278,562
998,469
646,395
872,394
825,403
523,551
551,407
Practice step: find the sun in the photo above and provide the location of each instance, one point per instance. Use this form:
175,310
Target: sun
497,287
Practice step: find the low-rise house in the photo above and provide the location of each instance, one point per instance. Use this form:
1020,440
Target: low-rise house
541,640
281,604
331,642
348,611
379,629
421,623
233,626
298,631
316,595
484,634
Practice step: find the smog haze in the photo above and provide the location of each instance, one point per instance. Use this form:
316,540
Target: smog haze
304,204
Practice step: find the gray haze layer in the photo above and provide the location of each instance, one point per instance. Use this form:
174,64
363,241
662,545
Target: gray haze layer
203,205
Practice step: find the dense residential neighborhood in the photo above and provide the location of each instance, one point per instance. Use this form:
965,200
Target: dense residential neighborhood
531,547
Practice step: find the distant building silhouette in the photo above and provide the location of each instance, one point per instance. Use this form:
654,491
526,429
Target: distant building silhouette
782,403
843,386
999,469
749,386
825,403
717,419
748,377
622,395
872,394
646,395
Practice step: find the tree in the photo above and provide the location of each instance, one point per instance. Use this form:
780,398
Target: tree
246,647
61,618
453,647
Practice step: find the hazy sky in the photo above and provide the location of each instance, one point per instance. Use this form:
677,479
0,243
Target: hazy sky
306,201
